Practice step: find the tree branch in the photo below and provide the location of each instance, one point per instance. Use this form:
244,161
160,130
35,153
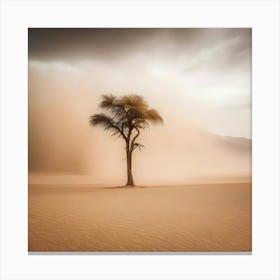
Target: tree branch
121,132
134,138
137,145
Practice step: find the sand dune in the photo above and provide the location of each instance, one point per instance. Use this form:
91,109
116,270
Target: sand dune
213,217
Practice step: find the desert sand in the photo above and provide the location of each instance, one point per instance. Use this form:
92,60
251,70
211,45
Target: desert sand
213,217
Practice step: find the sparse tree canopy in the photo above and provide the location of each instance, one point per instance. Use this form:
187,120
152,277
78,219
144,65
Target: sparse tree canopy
126,116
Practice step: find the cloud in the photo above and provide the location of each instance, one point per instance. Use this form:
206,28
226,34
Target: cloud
111,44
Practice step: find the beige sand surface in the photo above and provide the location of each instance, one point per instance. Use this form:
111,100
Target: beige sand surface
213,217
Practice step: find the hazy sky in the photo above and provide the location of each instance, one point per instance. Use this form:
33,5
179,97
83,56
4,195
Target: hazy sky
208,71
192,76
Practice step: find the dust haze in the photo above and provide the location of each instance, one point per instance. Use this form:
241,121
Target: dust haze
198,79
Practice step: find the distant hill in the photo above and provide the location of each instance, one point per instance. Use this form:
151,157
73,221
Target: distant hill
239,144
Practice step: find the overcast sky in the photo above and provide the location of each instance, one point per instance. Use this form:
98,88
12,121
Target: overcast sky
191,76
207,71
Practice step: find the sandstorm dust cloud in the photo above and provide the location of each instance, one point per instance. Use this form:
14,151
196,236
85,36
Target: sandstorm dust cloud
205,101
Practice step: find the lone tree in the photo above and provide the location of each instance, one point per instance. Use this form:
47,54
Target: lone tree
125,117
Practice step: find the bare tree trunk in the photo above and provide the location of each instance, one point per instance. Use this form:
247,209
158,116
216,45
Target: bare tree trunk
130,181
